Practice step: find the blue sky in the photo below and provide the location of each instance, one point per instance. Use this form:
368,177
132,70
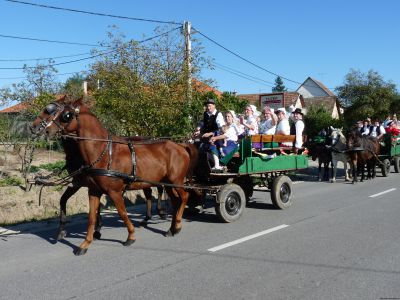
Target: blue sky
295,39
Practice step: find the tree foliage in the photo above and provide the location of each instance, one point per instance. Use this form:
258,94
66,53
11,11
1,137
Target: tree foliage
279,86
318,118
143,89
367,95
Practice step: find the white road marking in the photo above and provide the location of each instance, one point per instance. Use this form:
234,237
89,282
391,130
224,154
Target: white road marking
246,238
297,182
381,193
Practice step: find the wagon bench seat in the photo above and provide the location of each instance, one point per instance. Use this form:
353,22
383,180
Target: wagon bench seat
271,142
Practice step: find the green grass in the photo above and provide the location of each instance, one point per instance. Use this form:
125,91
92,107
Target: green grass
11,181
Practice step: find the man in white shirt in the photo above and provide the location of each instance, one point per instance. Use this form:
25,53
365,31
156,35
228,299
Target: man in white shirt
376,130
298,128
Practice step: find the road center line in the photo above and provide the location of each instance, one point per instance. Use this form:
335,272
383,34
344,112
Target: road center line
246,238
381,193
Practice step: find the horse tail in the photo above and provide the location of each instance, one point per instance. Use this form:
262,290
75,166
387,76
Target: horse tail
194,157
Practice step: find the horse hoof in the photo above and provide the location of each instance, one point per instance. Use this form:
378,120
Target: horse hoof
169,233
128,242
144,221
162,215
80,251
61,235
97,235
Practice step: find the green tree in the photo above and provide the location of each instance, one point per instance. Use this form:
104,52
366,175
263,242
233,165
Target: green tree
318,118
279,86
366,95
143,89
73,86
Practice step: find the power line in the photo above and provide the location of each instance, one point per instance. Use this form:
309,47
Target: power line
96,55
43,58
47,41
80,54
244,59
258,81
93,13
24,77
244,74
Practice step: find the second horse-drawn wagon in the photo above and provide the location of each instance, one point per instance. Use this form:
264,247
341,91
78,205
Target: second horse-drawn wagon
390,154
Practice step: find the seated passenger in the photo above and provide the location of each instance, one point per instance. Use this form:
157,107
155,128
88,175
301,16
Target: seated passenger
297,129
250,122
283,126
231,137
376,130
392,128
269,121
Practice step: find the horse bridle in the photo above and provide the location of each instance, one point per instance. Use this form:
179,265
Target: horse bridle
54,110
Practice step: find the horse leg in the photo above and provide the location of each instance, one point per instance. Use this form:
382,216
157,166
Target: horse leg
179,204
334,168
354,167
161,211
94,203
319,170
99,224
362,167
326,171
346,171
148,196
120,206
69,192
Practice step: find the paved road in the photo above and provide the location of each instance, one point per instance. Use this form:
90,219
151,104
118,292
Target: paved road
338,241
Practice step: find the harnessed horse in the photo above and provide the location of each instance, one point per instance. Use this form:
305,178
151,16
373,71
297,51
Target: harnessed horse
338,147
320,152
113,164
363,150
74,162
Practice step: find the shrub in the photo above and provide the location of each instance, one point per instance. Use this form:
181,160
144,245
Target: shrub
11,181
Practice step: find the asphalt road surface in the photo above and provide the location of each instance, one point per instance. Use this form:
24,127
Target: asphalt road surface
337,241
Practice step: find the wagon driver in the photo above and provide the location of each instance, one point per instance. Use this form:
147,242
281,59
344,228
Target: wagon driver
212,121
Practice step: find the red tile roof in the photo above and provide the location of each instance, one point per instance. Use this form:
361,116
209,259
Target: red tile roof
15,108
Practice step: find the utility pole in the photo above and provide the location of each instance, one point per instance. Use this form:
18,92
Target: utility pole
188,67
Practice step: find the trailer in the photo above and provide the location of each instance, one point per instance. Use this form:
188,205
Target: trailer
261,161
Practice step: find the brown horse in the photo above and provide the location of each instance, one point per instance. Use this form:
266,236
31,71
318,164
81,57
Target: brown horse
74,162
363,150
111,159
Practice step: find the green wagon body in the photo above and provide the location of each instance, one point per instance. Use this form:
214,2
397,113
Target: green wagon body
259,161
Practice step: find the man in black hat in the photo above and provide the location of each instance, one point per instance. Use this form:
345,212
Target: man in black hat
297,128
213,120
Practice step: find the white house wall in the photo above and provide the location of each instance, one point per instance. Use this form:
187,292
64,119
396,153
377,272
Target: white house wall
310,89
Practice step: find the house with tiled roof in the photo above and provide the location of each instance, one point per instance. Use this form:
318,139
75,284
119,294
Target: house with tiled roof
313,88
310,92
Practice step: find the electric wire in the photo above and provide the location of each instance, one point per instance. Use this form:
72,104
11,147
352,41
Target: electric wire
242,75
47,41
244,59
93,13
92,56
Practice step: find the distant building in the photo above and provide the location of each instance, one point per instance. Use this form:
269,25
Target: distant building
311,92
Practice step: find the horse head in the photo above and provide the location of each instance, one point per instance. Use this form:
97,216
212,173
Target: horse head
57,118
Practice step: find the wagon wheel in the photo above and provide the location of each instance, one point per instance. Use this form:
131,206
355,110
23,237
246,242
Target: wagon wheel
396,162
231,202
281,192
385,167
246,183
